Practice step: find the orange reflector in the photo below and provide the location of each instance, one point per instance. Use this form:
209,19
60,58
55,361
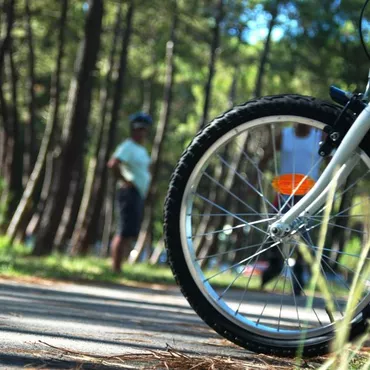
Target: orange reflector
287,183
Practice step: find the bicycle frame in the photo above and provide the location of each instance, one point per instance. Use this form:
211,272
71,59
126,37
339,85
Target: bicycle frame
344,159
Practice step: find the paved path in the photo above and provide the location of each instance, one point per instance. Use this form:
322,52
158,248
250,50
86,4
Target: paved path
54,325
98,320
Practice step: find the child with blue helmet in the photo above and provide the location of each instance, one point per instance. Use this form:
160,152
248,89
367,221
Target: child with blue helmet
130,164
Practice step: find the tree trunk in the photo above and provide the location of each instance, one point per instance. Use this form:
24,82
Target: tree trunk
234,87
212,62
73,203
147,96
158,142
33,225
25,208
74,128
13,161
5,40
6,29
88,199
90,215
4,129
265,52
108,219
219,195
29,130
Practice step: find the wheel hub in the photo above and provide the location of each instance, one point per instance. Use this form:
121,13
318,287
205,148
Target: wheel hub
280,231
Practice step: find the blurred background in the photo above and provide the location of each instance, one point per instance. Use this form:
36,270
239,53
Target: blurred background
71,72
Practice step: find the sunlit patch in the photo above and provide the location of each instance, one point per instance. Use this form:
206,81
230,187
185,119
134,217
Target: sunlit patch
288,183
291,262
228,229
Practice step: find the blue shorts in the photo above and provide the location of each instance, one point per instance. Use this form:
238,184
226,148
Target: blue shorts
130,211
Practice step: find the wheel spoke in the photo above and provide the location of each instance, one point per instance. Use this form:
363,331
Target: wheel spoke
339,226
338,214
311,245
226,215
246,182
294,148
273,291
282,296
242,261
232,194
296,279
229,251
273,137
265,201
330,250
341,216
230,213
233,228
345,191
294,295
250,276
345,267
301,182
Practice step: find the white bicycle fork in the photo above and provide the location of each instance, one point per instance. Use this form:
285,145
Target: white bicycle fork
344,159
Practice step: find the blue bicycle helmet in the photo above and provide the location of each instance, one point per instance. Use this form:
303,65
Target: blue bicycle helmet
140,120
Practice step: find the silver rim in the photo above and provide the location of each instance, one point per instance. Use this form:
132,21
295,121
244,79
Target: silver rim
229,197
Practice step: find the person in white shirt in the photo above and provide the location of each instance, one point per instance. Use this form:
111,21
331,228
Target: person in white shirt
299,148
130,164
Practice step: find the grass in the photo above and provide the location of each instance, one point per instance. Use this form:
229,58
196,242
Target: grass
16,261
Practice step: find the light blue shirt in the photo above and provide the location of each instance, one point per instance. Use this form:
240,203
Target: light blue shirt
135,162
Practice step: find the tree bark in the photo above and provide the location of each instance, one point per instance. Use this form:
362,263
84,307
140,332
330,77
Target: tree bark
13,161
89,217
88,199
147,96
73,203
108,217
24,208
218,194
158,142
74,128
4,129
212,61
5,40
29,131
33,225
6,31
266,51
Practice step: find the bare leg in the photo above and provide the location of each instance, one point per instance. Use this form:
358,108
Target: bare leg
126,248
120,251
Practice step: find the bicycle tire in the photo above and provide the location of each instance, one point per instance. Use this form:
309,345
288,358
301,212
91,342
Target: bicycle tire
308,107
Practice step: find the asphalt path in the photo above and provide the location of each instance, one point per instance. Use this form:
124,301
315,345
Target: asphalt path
60,325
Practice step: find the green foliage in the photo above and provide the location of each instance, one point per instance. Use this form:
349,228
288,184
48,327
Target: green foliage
314,44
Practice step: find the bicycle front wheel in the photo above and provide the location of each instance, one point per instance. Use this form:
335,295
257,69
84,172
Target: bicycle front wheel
240,174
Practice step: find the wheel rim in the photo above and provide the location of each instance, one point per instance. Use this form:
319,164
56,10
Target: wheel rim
277,312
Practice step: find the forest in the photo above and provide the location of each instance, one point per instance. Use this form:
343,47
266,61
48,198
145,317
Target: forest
72,72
